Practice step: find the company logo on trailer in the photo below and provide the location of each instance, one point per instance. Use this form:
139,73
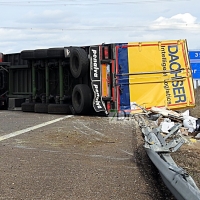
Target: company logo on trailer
97,98
95,76
177,84
95,66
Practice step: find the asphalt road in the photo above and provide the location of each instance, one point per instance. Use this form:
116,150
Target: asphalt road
74,157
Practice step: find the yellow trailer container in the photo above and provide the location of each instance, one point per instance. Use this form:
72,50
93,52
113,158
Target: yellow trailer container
155,74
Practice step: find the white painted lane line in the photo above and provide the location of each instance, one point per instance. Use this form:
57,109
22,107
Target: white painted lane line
10,135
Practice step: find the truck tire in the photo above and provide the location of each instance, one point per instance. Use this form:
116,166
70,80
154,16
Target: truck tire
40,53
79,63
82,99
55,53
27,54
59,109
28,107
41,108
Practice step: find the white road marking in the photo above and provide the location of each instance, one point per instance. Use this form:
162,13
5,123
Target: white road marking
10,135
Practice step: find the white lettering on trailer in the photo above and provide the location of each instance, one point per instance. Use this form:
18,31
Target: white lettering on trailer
95,65
164,66
95,76
97,97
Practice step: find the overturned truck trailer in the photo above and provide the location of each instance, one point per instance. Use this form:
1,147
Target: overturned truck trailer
98,78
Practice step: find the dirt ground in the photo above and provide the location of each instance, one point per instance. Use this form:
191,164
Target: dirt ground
188,157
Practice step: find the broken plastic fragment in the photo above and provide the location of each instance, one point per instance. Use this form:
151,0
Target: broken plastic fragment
197,136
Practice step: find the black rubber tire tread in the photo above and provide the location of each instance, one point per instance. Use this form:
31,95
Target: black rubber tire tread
28,107
55,53
59,109
41,108
40,53
27,54
79,63
82,99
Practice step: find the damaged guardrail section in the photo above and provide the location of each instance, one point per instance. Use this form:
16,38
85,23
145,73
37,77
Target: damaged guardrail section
163,139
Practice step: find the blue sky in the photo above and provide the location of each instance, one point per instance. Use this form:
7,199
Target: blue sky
58,23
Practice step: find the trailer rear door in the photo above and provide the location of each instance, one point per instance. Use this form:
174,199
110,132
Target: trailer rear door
154,74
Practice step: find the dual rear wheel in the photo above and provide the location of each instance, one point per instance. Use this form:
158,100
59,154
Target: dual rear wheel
81,103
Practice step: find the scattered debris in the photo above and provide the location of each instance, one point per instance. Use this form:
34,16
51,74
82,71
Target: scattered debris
192,124
163,132
197,136
193,140
166,113
184,131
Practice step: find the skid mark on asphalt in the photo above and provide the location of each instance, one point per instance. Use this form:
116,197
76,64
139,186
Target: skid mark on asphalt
131,154
16,133
77,128
84,129
79,154
85,132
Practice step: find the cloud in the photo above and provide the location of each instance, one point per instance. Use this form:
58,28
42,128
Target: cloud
66,26
186,18
180,21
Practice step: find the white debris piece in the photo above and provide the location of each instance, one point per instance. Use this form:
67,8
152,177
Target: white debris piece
189,121
133,105
165,112
197,136
166,125
186,113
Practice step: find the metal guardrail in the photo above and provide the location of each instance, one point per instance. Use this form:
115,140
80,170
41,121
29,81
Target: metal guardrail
158,148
